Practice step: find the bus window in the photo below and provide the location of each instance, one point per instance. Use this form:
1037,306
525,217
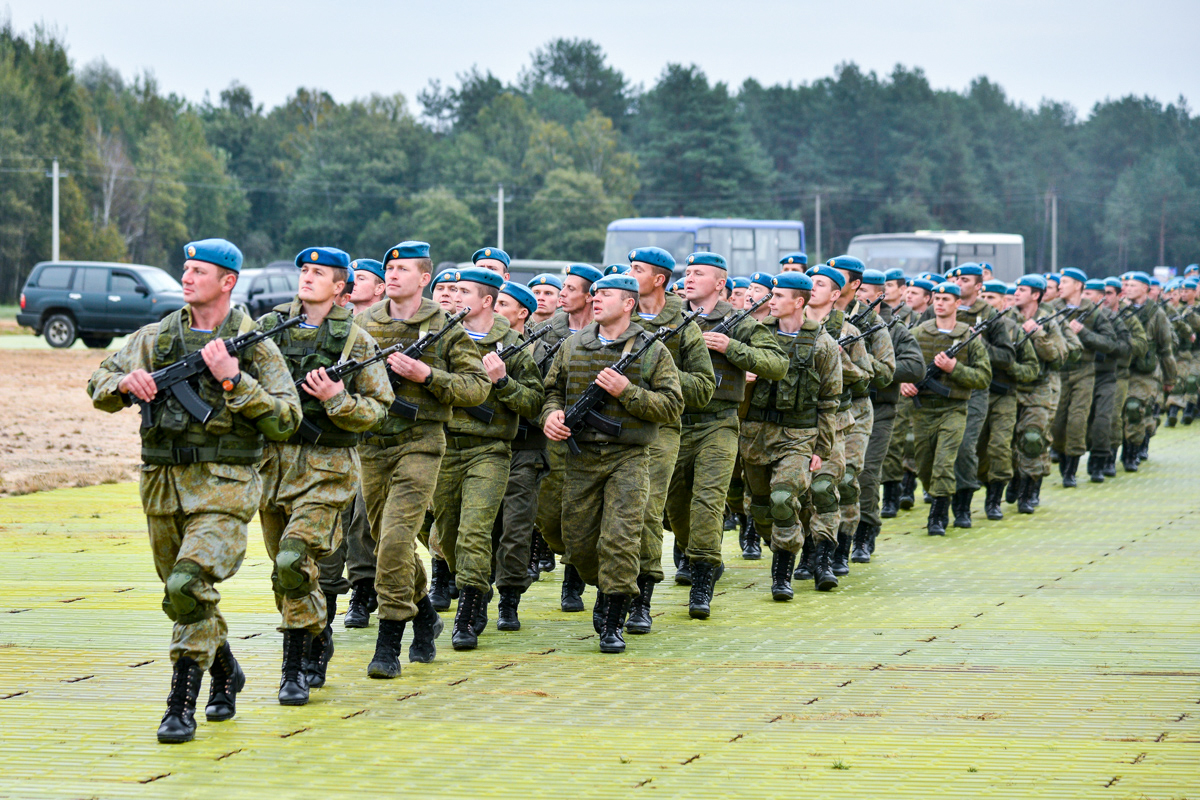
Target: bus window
716,239
985,249
766,245
678,243
741,253
788,242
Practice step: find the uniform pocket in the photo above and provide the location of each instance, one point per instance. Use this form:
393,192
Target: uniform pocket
231,472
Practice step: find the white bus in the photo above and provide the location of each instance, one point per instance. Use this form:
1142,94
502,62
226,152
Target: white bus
939,251
749,245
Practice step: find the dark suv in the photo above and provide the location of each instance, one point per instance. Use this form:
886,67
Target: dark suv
95,300
260,290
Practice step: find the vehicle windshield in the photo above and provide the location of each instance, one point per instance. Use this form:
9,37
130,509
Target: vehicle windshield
906,254
160,281
679,244
242,287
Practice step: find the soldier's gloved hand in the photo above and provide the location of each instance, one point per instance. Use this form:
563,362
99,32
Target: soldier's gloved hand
410,368
319,385
494,366
555,429
612,381
220,363
945,363
139,384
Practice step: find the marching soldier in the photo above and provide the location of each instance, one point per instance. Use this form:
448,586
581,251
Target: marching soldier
1104,394
900,466
1148,373
1138,345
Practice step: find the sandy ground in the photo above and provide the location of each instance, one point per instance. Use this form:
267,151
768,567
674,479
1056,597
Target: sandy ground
50,436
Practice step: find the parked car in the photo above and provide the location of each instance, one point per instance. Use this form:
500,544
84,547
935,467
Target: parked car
95,300
259,290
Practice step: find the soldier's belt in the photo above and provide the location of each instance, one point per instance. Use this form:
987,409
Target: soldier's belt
807,419
930,400
178,456
404,437
310,433
466,441
704,418
999,388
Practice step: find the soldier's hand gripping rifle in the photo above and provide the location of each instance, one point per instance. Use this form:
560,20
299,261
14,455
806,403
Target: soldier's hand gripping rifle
176,379
485,413
403,408
1044,321
860,316
732,321
585,410
933,372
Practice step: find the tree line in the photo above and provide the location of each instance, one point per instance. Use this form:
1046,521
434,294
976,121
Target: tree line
575,145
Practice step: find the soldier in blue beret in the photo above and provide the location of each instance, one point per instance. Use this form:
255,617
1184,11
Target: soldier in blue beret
677,288
546,288
1192,269
199,485
616,269
793,262
873,277
343,299
985,269
368,283
761,284
492,258
654,257
900,464
443,289
737,294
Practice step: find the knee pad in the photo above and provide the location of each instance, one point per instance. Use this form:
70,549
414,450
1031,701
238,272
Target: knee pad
1134,410
760,509
783,511
1191,384
1031,443
848,487
288,578
180,602
824,495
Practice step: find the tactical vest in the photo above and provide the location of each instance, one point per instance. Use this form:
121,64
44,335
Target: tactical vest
792,401
386,334
306,350
933,342
833,326
864,388
731,381
1148,362
583,365
174,435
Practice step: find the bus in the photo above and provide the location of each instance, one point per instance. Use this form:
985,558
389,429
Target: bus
939,251
749,245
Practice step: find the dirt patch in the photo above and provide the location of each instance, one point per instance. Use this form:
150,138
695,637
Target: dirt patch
50,436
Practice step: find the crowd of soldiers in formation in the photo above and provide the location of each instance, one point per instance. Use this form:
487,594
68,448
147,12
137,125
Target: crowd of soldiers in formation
510,428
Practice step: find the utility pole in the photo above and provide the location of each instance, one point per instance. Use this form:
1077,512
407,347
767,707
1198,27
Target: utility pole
1054,230
500,217
817,259
54,175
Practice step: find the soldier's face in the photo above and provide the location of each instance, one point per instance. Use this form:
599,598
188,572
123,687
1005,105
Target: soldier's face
471,296
494,265
1154,292
868,294
404,278
609,305
1111,297
1189,296
1069,287
738,298
511,310
444,295
1093,295
994,299
700,281
893,292
793,267
1136,291
755,293
916,297
1024,296
574,295
649,278
547,297
317,284
367,288
203,282
945,304
824,291
785,303
1051,291
969,284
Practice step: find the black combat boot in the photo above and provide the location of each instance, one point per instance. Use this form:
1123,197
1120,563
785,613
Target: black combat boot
439,585
936,525
1095,465
464,636
1189,413
1172,416
358,614
889,507
683,570
752,549
823,578
908,491
639,610
427,626
179,723
386,661
506,616
1109,468
293,682
872,535
1025,503
548,562
862,544
1069,465
1037,492
225,680
320,649
453,587
572,590
991,503
1055,456
803,570
533,570
782,563
700,598
479,623
1013,489
742,534
599,609
730,520
616,606
1144,452
1129,459
962,507
841,554
928,498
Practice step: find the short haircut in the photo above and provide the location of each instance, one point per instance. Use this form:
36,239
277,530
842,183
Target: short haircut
804,293
341,274
425,265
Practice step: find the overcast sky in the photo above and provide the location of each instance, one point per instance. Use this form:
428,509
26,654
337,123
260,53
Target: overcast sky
1073,51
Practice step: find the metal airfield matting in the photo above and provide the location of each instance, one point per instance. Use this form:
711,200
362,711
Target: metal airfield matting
1048,656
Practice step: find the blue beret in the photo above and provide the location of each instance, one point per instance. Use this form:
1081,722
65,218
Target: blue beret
677,285
546,279
1011,289
325,256
491,252
654,256
616,269
762,279
873,277
924,283
350,276
445,276
985,265
1114,283
708,259
829,272
1174,283
1095,284
221,252
479,275
965,269
522,295
370,265
895,274
795,258
1136,275
1054,276
585,271
1190,268
929,276
946,287
741,282
995,286
848,263
1155,282
1076,273
616,281
1033,281
1191,283
792,280
407,250
729,285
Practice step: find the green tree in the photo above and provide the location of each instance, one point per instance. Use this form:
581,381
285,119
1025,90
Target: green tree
568,217
438,217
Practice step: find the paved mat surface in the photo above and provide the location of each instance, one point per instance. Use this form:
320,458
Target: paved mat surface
1052,656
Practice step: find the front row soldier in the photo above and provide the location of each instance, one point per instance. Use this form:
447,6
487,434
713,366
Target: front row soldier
309,479
605,486
940,421
199,486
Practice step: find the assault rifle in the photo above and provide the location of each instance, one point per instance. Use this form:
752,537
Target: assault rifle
177,378
485,413
930,382
1044,320
585,410
851,338
1181,315
860,316
733,320
544,364
403,408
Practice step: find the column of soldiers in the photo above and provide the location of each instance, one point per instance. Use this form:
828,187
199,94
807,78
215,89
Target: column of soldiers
511,427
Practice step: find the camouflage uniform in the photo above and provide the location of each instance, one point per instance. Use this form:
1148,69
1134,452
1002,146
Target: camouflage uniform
1104,393
199,487
900,454
1078,380
1037,399
1000,357
401,458
882,360
1184,389
1138,345
1148,373
550,507
995,441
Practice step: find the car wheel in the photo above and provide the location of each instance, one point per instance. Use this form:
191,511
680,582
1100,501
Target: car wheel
97,343
59,331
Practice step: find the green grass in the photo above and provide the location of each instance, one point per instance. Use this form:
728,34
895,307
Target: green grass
9,312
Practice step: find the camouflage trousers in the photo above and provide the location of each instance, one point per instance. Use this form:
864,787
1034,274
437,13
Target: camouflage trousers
856,455
550,498
1184,390
901,453
470,489
512,535
355,556
197,515
603,502
735,498
938,428
995,441
1117,432
778,461
305,489
1069,433
661,456
1139,406
699,487
1031,438
398,477
877,450
1104,408
966,463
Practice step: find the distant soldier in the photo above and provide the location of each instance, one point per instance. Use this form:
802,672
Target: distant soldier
443,289
899,476
368,283
546,288
1138,345
199,486
794,262
1104,393
1147,374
